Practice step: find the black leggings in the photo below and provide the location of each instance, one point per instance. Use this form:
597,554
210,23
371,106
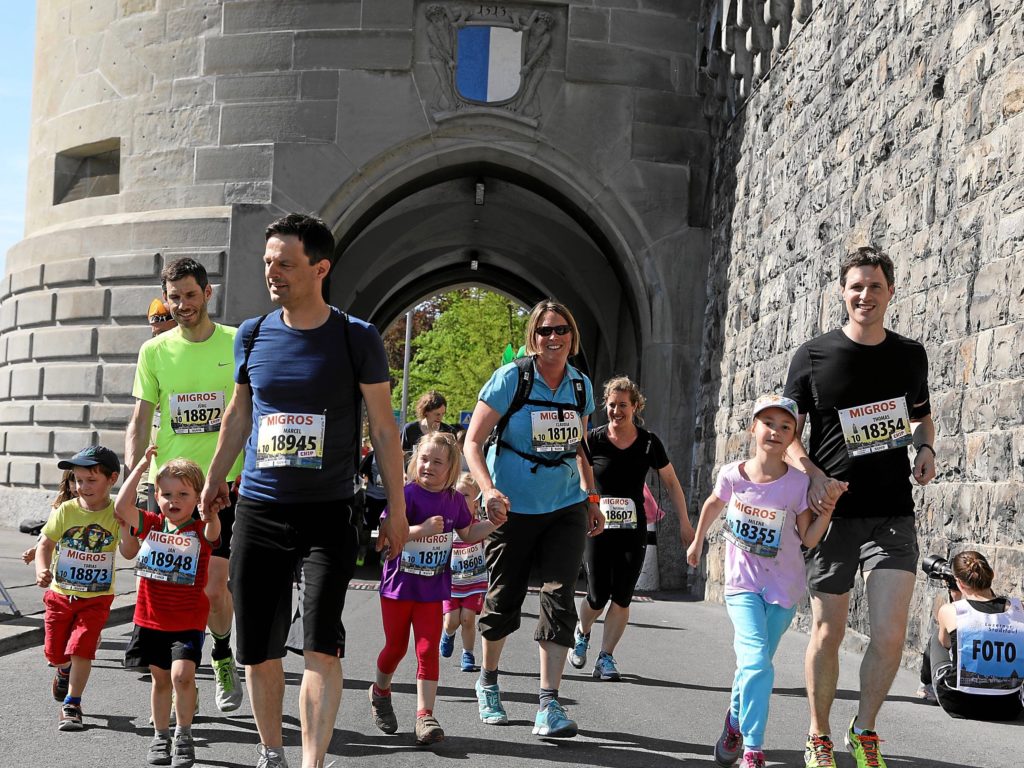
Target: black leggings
939,670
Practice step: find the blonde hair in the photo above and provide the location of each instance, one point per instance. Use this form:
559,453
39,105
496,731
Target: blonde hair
182,469
550,305
627,385
446,442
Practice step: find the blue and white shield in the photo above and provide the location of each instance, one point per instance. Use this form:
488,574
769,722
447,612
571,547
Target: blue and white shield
488,60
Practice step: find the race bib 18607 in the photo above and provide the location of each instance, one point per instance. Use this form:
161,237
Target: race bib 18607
291,440
618,513
429,556
78,571
757,530
556,435
876,427
170,557
196,412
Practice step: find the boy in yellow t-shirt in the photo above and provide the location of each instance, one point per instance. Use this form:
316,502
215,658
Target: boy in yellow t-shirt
75,559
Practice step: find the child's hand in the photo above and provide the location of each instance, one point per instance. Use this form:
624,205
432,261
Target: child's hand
28,556
208,514
693,553
432,525
43,578
148,456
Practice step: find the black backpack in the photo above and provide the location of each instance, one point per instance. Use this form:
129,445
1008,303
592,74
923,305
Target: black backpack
521,397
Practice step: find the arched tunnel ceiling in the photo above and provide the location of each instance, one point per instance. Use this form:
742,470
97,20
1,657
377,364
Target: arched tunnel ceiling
524,245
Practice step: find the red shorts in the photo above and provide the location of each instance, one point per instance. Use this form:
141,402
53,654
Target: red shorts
474,603
72,625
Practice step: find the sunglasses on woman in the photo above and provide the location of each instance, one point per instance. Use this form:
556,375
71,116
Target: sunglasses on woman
547,330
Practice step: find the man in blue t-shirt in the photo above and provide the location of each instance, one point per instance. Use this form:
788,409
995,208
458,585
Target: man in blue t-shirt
301,375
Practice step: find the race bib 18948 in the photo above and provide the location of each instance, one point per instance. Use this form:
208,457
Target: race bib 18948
291,440
556,435
429,556
170,557
196,412
78,571
756,530
876,427
618,513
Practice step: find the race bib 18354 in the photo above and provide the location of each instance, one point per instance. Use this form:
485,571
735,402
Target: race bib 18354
757,530
876,427
291,440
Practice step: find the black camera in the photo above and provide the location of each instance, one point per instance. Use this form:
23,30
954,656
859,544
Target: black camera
937,568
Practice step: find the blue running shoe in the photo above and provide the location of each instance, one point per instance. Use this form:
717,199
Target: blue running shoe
488,698
578,654
447,644
468,662
604,667
554,723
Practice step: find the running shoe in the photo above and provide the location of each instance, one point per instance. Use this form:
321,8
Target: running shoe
578,654
469,662
926,692
70,718
864,747
184,755
428,731
383,712
229,686
270,758
553,723
59,686
605,669
488,699
729,745
447,644
753,759
818,752
159,751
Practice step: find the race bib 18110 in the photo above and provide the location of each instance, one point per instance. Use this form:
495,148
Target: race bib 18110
756,530
196,412
618,513
552,434
876,427
291,440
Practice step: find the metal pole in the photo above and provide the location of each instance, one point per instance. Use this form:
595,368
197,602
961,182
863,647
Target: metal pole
405,365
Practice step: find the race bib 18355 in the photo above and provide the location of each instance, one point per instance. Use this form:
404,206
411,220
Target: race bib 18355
291,440
876,427
757,530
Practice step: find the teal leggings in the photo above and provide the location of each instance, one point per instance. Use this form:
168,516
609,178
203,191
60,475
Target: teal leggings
758,628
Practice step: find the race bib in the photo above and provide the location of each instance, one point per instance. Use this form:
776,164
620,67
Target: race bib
429,556
84,571
170,557
552,434
193,413
756,530
291,440
468,564
618,513
876,427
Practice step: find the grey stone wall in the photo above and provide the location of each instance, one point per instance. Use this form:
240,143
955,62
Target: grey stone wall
898,124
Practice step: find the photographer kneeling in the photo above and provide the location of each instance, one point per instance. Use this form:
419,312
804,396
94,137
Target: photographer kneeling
976,659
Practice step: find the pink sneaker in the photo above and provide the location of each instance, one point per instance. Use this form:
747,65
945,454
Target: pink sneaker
753,759
729,745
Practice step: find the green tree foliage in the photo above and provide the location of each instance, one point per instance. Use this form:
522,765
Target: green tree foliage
461,349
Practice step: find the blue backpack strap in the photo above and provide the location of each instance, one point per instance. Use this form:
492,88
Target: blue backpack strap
247,346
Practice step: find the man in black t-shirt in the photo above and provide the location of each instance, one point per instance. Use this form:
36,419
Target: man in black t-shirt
865,391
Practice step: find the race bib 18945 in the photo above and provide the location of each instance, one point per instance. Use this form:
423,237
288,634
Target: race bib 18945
291,440
876,427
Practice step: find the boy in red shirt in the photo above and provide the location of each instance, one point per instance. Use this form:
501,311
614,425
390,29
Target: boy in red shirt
172,607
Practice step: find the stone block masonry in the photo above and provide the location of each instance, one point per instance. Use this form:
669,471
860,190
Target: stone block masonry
898,125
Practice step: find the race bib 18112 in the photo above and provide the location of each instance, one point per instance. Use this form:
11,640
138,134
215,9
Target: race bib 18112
876,427
291,440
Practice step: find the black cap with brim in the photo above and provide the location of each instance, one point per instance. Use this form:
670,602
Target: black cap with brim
94,455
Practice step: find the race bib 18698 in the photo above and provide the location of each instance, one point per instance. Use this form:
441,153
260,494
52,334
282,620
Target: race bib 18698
429,556
876,427
554,434
196,412
757,530
618,513
170,557
79,571
291,440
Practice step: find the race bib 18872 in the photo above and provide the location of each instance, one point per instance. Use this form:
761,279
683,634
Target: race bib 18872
196,412
757,530
875,427
291,440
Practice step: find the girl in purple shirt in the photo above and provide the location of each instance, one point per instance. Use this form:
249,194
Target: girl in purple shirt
413,586
766,522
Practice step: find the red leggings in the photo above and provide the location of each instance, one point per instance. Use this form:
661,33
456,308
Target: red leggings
425,620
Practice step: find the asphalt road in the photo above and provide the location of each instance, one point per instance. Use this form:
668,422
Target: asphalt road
676,660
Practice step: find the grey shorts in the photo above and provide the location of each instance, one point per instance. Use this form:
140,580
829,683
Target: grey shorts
860,543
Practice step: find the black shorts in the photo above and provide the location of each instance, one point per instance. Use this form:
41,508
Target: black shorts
156,648
270,540
860,543
613,561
